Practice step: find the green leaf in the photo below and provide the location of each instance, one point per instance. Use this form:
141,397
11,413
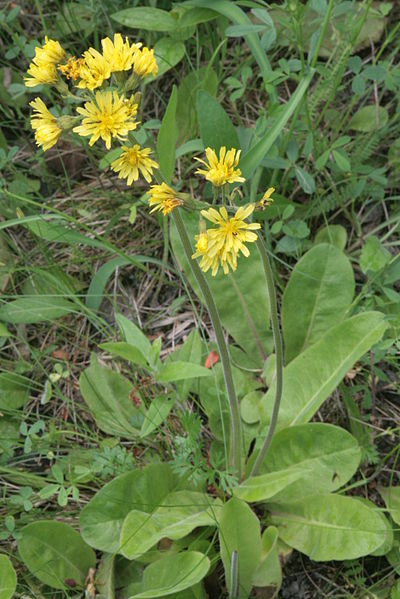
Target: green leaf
242,301
14,391
259,151
268,572
342,160
54,553
194,16
147,18
134,336
216,128
186,114
179,514
374,256
329,527
190,351
319,292
106,393
306,180
369,118
334,234
167,138
58,233
33,309
312,376
180,371
326,455
143,489
158,411
98,284
239,531
235,14
126,351
168,53
391,497
174,573
265,486
8,578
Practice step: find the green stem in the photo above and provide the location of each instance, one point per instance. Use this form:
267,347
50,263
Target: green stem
236,435
278,352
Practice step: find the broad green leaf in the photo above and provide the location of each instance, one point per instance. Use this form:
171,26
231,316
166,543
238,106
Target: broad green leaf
329,527
241,297
312,376
186,114
172,574
388,537
391,497
239,531
143,489
134,336
327,456
194,16
306,180
147,18
167,138
8,578
251,160
369,118
249,409
168,53
374,256
58,233
216,128
180,371
55,553
126,351
268,572
106,394
14,390
334,234
265,486
317,296
158,411
75,17
179,514
33,309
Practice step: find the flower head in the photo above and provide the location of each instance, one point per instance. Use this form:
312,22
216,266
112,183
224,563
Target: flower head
44,124
144,62
221,170
94,70
266,200
107,116
163,198
72,68
132,161
119,54
226,241
43,66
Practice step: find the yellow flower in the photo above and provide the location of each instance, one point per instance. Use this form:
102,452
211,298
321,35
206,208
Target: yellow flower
106,117
215,260
43,66
226,241
221,170
163,198
119,54
131,107
266,200
144,63
133,160
72,68
94,70
44,124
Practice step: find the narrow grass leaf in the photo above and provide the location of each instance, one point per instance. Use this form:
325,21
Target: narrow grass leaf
167,138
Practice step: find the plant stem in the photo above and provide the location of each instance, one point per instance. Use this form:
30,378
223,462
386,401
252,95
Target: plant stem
236,435
278,352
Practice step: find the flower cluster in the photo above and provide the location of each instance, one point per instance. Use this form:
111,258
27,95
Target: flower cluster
104,85
105,82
